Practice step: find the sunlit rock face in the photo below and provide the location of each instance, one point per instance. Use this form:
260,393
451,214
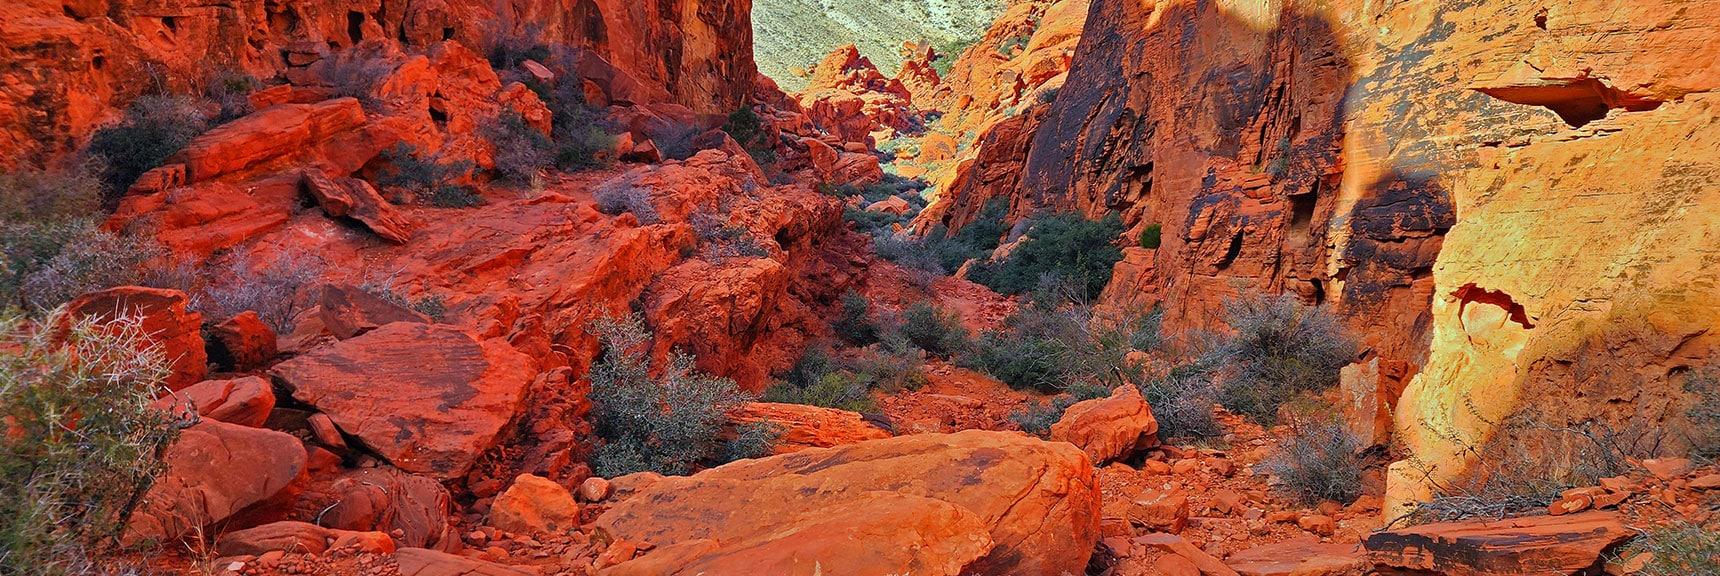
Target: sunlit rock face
1512,204
66,67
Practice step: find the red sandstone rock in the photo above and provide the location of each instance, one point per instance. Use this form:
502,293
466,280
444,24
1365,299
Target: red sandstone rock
1160,510
214,471
351,197
1036,500
1554,544
534,505
165,323
447,395
1301,557
1109,428
348,311
1176,545
285,536
242,343
421,562
594,489
811,426
415,508
245,401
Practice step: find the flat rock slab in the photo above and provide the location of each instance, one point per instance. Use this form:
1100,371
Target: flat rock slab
1532,545
429,398
421,562
1301,557
1036,502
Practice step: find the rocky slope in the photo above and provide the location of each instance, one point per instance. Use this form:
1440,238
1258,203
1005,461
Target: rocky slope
1492,193
68,66
792,35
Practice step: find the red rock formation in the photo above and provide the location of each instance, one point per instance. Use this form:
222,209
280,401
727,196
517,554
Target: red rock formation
1037,500
215,471
850,99
1406,180
68,66
810,426
1559,545
1109,428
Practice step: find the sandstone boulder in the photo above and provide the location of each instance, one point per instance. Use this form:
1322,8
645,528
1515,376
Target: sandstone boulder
811,426
421,562
1038,502
534,504
1109,428
245,401
242,343
281,133
286,536
356,199
429,398
414,508
1301,557
347,311
214,471
1535,544
165,322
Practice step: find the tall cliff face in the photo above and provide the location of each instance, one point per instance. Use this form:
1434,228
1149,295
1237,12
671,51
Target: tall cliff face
1512,203
65,65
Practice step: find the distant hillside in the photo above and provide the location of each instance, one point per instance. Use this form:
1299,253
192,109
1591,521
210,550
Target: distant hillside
798,33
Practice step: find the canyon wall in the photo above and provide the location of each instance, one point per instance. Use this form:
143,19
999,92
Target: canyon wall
1510,203
66,66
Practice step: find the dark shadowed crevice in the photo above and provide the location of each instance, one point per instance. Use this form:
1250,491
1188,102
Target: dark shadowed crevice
1577,101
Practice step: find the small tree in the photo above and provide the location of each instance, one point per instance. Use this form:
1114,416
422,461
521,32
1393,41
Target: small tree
1066,246
933,329
670,423
79,442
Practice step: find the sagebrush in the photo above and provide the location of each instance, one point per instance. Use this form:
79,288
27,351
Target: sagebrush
669,423
1278,348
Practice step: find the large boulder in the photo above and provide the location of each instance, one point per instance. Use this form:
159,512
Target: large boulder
1109,428
534,504
1037,501
214,471
429,398
1533,545
165,322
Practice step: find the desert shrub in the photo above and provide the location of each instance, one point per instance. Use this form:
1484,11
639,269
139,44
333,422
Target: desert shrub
230,90
669,423
427,178
51,195
1704,414
1151,236
891,365
1050,343
276,291
522,152
745,126
1682,549
81,444
577,127
675,141
354,74
933,329
1066,246
1182,402
1279,347
507,43
854,324
1049,95
840,390
155,128
975,240
619,196
948,53
1319,462
49,263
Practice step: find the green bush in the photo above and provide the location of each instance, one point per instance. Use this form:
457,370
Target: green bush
1682,549
581,141
1278,348
522,152
933,329
1050,344
975,240
891,365
230,90
745,126
1150,236
854,324
153,130
840,390
1319,462
1064,246
427,178
81,443
669,423
948,53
